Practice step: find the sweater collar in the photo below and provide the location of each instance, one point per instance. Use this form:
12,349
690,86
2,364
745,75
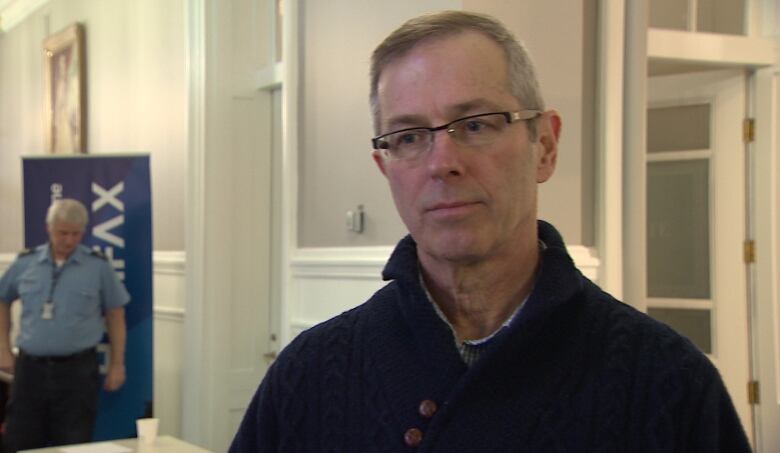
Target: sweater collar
556,283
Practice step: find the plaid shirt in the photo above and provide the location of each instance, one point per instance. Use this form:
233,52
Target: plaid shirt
470,350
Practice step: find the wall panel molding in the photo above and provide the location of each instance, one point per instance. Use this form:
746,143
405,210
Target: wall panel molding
169,262
5,260
330,280
170,314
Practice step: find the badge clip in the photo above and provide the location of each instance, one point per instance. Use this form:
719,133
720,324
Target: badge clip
47,312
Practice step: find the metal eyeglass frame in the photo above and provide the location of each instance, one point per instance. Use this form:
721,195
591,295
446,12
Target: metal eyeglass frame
510,117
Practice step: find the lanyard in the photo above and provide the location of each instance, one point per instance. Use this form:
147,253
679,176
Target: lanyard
56,271
47,311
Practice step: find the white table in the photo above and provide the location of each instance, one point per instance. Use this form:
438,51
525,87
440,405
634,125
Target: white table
163,444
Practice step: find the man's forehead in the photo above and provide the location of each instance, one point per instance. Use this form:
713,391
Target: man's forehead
67,227
452,111
461,73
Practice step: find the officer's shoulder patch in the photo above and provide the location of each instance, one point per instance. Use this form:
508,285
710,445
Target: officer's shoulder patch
98,254
25,252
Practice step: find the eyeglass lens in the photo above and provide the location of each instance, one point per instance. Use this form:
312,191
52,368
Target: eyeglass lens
473,131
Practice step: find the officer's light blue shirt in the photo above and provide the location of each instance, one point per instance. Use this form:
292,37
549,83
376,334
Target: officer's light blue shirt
86,288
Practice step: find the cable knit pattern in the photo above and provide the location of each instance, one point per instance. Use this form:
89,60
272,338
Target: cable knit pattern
576,371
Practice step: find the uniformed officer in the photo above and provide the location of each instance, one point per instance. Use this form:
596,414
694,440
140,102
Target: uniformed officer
66,291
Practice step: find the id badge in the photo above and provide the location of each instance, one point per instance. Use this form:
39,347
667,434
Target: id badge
47,312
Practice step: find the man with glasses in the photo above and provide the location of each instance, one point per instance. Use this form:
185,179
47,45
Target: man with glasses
487,338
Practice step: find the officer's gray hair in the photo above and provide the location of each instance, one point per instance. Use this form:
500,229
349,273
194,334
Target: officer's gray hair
67,210
522,76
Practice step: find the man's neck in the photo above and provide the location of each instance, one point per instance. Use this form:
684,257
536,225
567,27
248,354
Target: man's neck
478,297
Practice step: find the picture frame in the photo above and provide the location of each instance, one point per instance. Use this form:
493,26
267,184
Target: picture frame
65,119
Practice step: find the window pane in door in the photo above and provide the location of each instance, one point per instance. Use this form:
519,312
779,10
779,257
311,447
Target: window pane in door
669,14
694,324
678,128
678,233
721,16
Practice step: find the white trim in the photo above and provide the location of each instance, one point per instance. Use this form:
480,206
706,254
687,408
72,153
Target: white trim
587,260
770,25
197,396
326,281
289,189
169,262
6,259
688,304
634,147
174,314
368,262
609,191
13,12
709,48
676,156
340,262
765,312
270,78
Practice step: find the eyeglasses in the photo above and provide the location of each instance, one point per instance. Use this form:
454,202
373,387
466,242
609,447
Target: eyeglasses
473,131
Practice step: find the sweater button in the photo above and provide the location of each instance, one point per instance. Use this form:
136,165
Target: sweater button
413,437
427,408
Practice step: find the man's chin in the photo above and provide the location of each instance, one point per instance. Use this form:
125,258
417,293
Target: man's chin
454,249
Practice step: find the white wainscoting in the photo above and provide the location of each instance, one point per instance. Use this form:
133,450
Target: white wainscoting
169,271
329,281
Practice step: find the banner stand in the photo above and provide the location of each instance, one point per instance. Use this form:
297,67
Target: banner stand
116,190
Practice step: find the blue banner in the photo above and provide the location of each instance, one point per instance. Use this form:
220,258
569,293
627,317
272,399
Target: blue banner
116,191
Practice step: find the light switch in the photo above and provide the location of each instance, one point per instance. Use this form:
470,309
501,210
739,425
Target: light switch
355,219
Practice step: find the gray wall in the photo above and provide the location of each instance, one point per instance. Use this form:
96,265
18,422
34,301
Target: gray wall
137,100
336,169
136,57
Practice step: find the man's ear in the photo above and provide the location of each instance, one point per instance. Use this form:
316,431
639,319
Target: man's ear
379,160
548,126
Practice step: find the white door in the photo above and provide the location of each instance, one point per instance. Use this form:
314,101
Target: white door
766,230
696,275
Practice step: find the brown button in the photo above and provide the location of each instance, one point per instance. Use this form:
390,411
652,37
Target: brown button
428,408
413,437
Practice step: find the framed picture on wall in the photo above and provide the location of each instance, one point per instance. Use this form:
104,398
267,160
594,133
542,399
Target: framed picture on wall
65,119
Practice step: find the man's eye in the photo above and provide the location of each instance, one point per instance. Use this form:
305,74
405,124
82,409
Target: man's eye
475,126
408,138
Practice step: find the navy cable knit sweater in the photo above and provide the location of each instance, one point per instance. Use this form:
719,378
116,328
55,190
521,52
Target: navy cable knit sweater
577,371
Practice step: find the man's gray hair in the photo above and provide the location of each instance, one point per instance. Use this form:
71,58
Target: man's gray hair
522,75
67,210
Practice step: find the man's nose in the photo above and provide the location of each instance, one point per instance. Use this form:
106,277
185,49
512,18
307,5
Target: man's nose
445,158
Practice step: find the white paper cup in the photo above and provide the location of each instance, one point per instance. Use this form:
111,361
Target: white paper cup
147,429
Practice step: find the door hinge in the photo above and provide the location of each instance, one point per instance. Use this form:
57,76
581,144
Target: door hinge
753,392
750,251
749,130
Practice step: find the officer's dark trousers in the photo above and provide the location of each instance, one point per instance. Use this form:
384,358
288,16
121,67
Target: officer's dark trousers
53,401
